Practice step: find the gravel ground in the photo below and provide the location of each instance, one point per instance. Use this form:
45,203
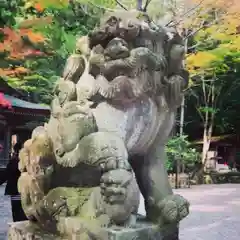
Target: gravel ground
215,213
5,213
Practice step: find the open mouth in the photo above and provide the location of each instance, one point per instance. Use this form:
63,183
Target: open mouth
99,37
122,52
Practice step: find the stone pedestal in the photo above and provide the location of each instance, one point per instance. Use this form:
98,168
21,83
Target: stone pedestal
139,231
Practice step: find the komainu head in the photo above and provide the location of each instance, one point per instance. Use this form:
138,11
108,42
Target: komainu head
150,55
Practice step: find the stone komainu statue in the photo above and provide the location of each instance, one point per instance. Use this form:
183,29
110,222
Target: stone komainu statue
112,113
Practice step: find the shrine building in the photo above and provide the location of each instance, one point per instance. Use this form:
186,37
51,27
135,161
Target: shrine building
18,117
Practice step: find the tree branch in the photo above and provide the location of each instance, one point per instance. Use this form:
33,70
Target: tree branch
190,10
146,5
204,91
72,5
121,5
199,112
194,46
200,28
84,10
100,7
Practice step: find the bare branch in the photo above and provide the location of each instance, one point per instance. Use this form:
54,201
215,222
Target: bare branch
203,25
100,7
198,44
194,46
186,13
72,5
84,9
200,113
146,5
204,91
121,5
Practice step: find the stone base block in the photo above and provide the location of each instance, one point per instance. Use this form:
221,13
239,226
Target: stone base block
26,230
141,230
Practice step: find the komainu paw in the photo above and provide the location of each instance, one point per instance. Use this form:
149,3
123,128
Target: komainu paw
173,208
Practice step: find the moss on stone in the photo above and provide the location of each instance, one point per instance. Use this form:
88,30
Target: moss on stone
75,198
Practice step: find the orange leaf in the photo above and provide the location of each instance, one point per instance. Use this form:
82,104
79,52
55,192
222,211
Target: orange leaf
32,36
15,46
28,23
21,70
18,71
38,7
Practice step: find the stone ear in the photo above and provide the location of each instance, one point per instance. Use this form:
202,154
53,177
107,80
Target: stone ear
74,68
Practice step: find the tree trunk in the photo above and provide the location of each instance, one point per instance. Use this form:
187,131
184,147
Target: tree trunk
207,135
182,108
182,116
208,125
180,161
139,5
206,145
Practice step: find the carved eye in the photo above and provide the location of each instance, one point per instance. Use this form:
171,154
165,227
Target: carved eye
112,21
101,34
81,102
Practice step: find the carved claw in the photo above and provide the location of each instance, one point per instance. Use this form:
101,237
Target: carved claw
173,208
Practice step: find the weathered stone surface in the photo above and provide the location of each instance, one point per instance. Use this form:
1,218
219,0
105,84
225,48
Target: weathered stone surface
139,231
112,112
27,231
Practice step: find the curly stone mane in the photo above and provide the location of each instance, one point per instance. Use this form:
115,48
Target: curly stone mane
152,49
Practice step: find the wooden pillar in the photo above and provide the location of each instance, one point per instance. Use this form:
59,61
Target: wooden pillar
7,142
232,157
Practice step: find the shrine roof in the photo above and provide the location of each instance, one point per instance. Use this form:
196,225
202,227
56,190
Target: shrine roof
7,89
16,102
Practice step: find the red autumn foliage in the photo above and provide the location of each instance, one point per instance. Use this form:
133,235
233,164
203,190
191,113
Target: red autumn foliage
15,47
13,43
4,102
